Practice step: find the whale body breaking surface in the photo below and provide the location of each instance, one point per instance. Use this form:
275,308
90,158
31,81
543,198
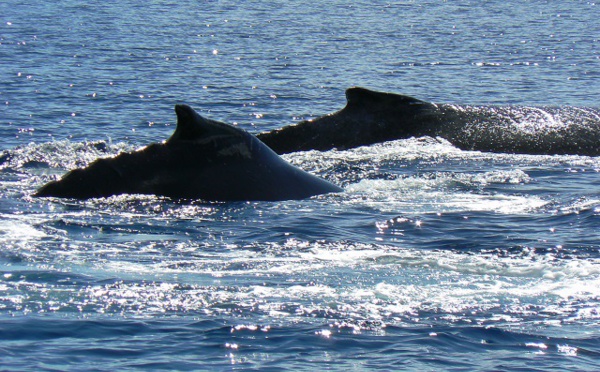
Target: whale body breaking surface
203,159
372,117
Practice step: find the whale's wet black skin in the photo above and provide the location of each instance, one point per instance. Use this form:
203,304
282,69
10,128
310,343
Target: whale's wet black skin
203,159
372,117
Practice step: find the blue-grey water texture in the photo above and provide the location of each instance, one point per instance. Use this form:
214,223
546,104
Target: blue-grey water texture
433,258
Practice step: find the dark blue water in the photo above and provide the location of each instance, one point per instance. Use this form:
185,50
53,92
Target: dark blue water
432,259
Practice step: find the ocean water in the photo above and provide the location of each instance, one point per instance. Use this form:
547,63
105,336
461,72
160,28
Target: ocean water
433,258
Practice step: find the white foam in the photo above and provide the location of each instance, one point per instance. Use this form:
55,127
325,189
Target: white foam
398,150
423,195
14,228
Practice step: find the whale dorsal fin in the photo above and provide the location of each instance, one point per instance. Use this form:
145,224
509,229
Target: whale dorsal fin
357,96
193,127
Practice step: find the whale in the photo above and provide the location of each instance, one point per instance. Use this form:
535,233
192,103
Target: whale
203,159
371,117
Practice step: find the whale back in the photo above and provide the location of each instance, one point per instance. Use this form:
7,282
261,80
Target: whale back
368,117
203,159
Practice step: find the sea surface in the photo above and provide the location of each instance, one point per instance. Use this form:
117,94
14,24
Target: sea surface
433,259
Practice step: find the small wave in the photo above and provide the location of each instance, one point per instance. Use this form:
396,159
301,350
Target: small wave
580,205
501,177
59,154
440,194
397,150
19,229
